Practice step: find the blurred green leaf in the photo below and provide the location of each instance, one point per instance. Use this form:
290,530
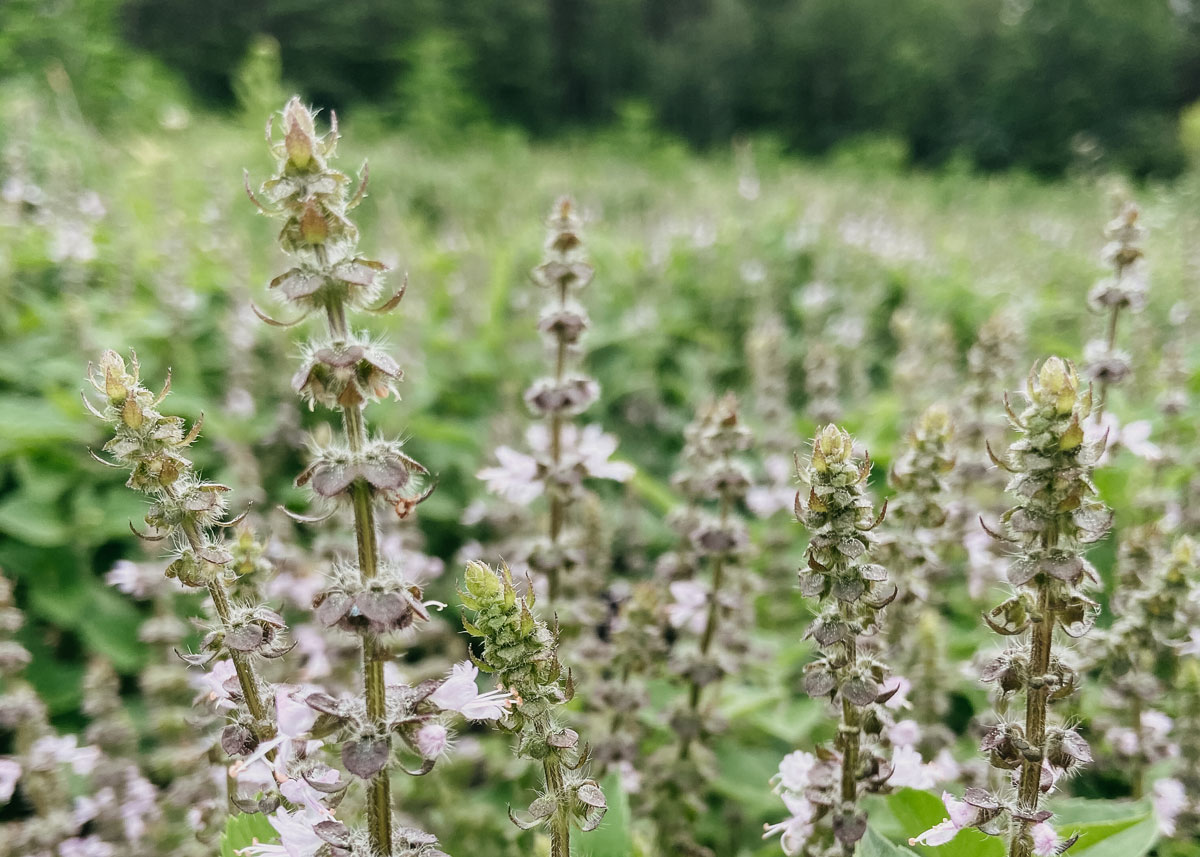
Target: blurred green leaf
874,844
242,831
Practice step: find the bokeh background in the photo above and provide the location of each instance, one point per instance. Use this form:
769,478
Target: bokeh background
827,162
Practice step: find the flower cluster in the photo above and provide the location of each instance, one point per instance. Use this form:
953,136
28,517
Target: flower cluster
1056,514
562,455
912,545
853,593
1125,289
1158,594
522,653
372,596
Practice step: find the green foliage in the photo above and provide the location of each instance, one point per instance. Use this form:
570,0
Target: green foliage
1043,84
242,831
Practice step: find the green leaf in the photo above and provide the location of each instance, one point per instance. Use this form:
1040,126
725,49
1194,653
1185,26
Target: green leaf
36,522
917,811
874,844
614,836
1126,838
242,831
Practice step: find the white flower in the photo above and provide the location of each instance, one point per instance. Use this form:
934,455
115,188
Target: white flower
961,815
1192,646
299,792
140,803
432,739
459,693
797,828
54,750
904,732
515,479
92,846
910,771
127,577
212,685
778,494
1169,799
794,771
312,648
10,772
594,448
945,767
689,606
293,719
296,837
1045,840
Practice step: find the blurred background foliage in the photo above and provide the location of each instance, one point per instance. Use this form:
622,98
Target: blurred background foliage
123,224
1038,84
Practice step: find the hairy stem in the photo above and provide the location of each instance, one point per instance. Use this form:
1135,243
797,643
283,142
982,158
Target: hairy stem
557,506
560,822
379,790
849,733
1036,699
247,678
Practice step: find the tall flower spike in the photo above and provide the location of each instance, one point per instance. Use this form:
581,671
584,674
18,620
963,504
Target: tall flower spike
1055,516
522,653
1124,290
188,512
564,454
833,505
344,370
711,591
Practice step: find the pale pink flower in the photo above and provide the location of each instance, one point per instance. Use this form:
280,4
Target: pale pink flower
129,578
945,767
1192,646
594,448
139,804
65,750
689,605
459,693
794,771
314,651
10,772
91,846
1045,840
777,494
1169,799
293,720
795,830
961,815
311,800
904,733
515,478
432,739
296,837
910,771
212,685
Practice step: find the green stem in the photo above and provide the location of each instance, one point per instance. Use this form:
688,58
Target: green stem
1036,699
379,790
560,822
243,666
849,735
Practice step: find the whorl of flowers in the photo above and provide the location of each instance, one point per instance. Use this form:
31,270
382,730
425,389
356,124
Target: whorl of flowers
1054,517
1125,289
1177,801
522,653
991,365
344,370
1151,625
852,592
919,476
